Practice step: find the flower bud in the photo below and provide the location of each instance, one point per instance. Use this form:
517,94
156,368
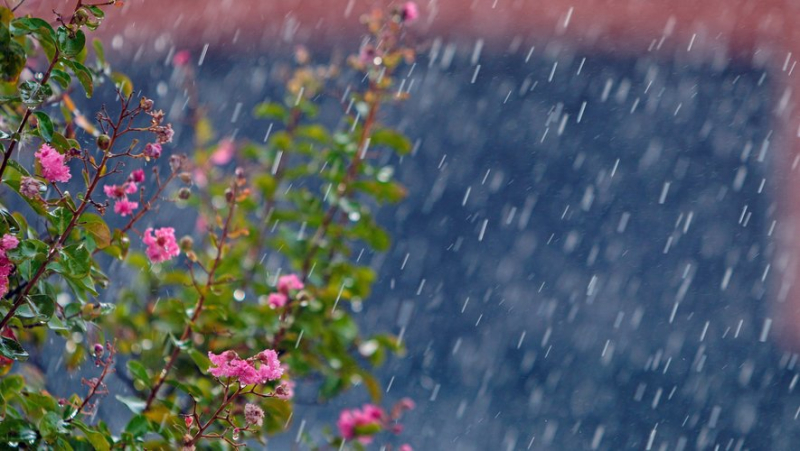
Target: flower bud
81,16
185,177
152,150
103,142
186,243
184,193
98,350
145,104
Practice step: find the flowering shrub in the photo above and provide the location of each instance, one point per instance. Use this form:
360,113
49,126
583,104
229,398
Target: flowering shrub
268,265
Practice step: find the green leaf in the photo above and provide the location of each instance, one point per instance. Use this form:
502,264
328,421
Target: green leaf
33,94
14,430
11,385
98,50
10,349
63,445
200,359
51,425
29,25
76,261
98,13
13,56
61,77
60,218
60,143
45,304
70,44
314,132
97,228
392,139
10,222
122,82
37,404
277,413
39,308
138,371
138,426
271,110
45,125
83,74
136,405
97,439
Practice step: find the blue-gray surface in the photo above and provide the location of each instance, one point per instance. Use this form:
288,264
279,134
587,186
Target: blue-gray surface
556,218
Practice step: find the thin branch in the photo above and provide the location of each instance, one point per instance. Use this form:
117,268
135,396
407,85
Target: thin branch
200,300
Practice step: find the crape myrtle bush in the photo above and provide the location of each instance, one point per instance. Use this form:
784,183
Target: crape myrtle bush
212,339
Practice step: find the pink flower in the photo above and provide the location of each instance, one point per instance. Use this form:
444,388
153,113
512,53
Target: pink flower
222,363
361,423
162,246
405,447
247,374
124,207
152,150
277,300
409,12
164,134
137,176
224,152
253,414
52,162
9,242
347,424
229,364
372,411
130,187
181,58
270,368
289,282
114,191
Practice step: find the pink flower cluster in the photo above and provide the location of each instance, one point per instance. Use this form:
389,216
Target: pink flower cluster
229,364
123,206
54,168
161,246
286,284
7,243
362,423
409,12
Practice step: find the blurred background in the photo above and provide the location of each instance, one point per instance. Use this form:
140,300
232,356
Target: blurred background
597,250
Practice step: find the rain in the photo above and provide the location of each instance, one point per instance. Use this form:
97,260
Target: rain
597,248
